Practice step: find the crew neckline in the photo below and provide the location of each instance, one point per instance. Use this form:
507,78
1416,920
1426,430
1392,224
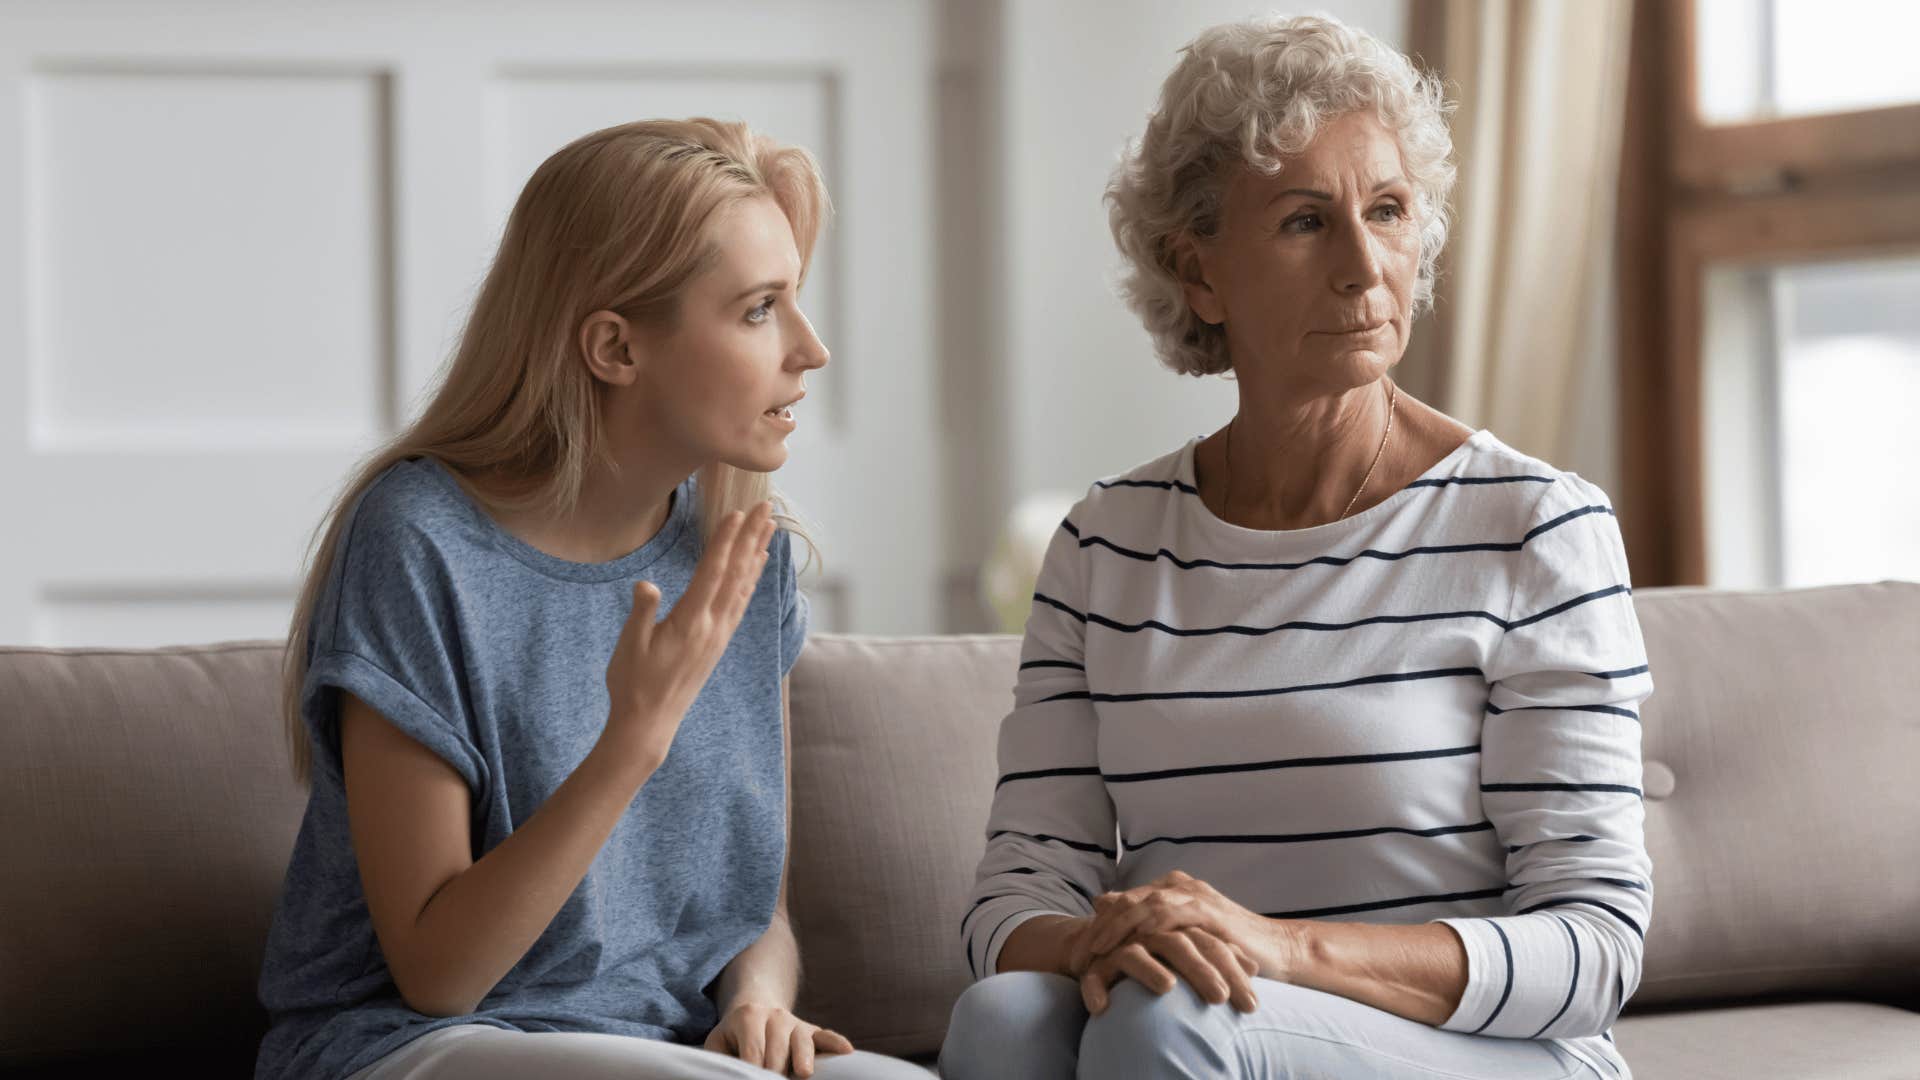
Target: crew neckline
679,515
1449,465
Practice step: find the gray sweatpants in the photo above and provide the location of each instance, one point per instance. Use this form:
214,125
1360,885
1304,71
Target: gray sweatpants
484,1052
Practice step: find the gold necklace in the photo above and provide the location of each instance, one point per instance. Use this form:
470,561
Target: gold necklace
1393,393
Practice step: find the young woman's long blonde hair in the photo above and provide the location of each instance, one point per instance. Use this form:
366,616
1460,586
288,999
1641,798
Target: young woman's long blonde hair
616,221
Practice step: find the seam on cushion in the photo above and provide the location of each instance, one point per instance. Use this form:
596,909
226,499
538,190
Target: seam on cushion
1665,979
261,644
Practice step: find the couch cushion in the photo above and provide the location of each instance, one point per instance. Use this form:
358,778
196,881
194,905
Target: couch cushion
1830,1040
1785,730
893,764
151,815
148,815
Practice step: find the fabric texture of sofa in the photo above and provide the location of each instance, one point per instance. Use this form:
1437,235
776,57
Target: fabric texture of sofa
148,816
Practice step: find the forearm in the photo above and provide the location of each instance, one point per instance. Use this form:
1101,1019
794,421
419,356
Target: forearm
766,972
1418,971
481,922
1040,944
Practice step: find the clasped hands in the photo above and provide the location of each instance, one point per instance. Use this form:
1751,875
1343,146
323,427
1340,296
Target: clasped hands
1175,924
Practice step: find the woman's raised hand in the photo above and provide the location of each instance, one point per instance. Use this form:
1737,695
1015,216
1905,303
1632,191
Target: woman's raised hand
658,668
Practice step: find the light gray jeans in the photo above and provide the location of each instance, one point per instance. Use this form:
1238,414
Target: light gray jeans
1027,1025
484,1052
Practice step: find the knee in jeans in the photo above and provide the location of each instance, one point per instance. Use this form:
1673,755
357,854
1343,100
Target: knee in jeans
1141,1030
1002,1021
999,1006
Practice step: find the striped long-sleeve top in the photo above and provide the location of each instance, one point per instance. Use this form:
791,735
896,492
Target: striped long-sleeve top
1426,711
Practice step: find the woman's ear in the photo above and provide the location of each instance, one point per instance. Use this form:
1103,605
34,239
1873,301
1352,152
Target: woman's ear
610,348
1191,268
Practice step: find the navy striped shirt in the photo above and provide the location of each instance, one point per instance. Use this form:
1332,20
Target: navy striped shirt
1426,711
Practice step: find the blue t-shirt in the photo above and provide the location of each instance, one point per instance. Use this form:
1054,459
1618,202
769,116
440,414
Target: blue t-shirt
493,655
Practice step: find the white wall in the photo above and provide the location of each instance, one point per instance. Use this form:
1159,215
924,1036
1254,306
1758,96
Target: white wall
237,240
981,353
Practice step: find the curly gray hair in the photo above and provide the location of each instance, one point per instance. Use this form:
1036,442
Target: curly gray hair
1253,94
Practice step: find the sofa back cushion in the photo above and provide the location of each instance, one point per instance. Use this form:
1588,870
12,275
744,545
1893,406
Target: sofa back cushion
1782,743
146,818
893,769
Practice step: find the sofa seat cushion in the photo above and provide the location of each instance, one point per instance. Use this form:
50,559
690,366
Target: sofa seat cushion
1823,1040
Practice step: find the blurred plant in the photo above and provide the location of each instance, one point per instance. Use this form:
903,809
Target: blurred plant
1007,577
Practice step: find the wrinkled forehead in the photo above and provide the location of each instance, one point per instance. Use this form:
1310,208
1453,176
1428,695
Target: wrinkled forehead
1355,148
1352,152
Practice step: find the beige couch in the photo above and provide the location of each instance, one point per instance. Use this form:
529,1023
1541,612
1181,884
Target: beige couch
146,816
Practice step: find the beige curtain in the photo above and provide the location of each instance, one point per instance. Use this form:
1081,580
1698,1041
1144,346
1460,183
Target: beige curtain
1521,339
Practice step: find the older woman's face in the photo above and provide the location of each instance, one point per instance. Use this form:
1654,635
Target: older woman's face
1312,270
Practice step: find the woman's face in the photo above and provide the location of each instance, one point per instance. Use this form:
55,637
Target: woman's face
1312,270
719,383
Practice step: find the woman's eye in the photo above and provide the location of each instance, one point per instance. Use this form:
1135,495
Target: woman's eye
761,311
1393,210
1301,224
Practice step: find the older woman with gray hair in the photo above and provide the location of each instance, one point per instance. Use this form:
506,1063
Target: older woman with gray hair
1325,756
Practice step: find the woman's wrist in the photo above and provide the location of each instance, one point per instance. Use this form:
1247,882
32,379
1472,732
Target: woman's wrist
1042,943
1068,940
626,753
1416,971
764,998
1290,951
766,973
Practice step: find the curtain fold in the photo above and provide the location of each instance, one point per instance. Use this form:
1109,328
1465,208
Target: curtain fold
1524,312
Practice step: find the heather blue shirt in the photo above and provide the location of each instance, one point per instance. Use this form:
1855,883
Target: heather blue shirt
493,655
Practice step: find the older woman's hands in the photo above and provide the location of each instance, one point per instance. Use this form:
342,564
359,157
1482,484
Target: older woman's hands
1218,972
1216,944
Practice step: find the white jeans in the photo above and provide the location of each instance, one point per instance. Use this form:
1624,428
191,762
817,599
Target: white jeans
1026,1025
484,1052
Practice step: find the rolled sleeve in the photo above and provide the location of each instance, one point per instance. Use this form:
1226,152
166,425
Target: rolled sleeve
386,631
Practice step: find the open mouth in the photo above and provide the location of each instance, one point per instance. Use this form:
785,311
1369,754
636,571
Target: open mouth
783,412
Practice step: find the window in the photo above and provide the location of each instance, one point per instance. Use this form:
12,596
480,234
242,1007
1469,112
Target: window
1771,303
1812,374
1760,59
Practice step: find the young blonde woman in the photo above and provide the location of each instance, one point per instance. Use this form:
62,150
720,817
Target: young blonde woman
547,829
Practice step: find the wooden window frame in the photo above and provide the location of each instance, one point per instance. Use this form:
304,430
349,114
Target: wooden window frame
1694,196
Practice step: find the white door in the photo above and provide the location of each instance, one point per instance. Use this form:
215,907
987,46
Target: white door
238,240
